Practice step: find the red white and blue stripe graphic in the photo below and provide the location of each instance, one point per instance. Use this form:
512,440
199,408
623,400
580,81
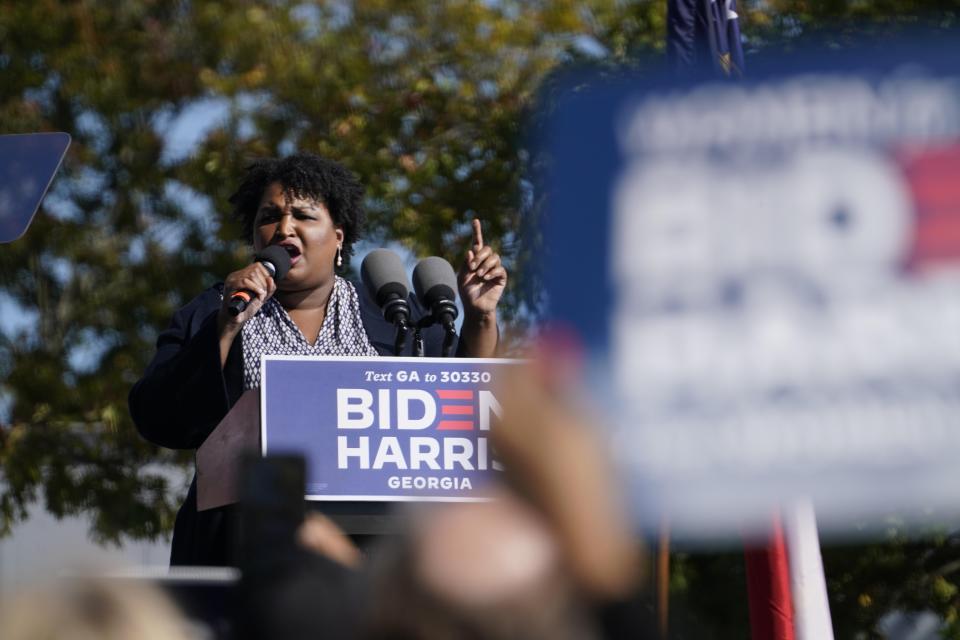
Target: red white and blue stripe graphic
457,410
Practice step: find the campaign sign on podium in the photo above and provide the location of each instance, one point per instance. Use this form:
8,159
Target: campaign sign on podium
384,429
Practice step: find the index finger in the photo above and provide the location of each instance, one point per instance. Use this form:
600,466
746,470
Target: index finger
477,235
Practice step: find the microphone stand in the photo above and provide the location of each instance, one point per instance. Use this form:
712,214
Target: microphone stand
396,309
449,334
400,341
418,342
446,312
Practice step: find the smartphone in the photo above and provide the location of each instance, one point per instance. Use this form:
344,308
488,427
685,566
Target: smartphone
271,509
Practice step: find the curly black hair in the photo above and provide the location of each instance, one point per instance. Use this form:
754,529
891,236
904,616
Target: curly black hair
304,175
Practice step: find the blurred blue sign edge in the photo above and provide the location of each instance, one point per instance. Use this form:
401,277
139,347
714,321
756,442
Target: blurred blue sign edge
43,154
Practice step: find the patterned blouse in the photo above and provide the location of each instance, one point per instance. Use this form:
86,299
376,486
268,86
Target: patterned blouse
272,332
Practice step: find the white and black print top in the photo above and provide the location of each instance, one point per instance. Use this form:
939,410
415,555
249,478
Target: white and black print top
272,332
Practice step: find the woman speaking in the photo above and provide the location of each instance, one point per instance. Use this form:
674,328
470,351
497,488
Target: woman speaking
312,208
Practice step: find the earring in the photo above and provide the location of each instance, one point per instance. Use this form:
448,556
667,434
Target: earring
339,257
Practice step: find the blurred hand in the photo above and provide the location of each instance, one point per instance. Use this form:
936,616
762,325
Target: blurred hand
552,453
482,277
321,535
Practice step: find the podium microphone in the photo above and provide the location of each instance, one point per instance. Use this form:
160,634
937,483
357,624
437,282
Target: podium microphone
436,286
277,261
385,280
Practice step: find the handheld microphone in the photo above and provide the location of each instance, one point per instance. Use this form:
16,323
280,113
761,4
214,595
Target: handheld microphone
436,286
277,261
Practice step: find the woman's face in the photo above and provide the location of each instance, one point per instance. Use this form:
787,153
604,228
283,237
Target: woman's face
304,228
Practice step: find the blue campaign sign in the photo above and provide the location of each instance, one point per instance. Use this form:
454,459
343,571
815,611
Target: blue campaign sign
384,429
766,275
28,163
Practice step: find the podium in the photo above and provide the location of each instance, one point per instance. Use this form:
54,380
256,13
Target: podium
371,431
238,435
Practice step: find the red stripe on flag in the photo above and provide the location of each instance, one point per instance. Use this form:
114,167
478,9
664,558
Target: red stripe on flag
768,588
454,394
455,425
931,177
936,239
458,409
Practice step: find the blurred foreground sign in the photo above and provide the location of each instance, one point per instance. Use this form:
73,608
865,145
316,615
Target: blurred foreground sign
767,276
28,163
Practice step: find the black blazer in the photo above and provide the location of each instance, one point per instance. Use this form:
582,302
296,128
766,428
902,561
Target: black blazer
184,394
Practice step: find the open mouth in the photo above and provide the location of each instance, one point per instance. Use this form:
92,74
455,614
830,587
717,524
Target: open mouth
293,251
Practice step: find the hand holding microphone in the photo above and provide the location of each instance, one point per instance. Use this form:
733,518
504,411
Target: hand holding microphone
245,291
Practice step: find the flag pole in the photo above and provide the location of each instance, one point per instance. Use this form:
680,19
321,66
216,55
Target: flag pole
807,579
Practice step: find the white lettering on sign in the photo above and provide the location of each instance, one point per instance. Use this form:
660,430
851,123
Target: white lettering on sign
353,408
389,452
404,398
383,397
406,409
813,294
419,452
414,410
387,376
361,452
483,456
488,405
457,451
770,328
807,110
424,451
426,482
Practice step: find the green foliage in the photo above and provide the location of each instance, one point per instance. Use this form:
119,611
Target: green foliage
907,569
782,24
709,595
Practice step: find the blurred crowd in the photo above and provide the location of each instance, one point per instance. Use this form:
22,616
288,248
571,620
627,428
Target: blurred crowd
553,556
